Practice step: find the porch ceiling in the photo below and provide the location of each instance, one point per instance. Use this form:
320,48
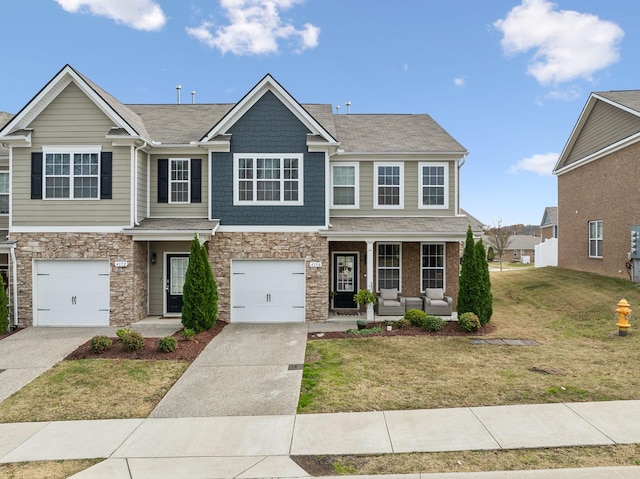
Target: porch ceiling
452,228
172,229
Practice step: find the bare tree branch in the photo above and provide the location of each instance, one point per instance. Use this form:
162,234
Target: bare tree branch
499,238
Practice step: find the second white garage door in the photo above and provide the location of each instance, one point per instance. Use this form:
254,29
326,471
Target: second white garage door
71,293
269,291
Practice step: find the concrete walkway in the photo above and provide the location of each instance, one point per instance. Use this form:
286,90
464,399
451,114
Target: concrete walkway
240,396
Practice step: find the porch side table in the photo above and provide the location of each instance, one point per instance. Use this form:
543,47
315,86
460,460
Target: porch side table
412,303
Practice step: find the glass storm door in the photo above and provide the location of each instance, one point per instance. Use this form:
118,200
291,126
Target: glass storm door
176,271
345,279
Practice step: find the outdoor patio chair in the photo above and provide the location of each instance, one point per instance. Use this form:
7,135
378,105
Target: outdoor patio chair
390,303
436,303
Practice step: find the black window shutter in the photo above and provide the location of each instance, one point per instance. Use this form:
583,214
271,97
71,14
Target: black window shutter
36,176
106,175
163,181
196,180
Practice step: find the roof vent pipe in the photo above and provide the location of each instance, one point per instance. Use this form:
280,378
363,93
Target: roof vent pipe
348,105
337,109
193,96
178,88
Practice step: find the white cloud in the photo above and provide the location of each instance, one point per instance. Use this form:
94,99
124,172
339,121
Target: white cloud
460,81
139,14
541,164
567,44
255,28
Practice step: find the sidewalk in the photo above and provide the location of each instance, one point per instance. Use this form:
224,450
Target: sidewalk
260,446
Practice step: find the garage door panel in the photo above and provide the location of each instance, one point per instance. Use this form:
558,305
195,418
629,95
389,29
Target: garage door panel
72,293
268,291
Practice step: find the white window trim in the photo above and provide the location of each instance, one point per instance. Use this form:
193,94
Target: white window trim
171,182
356,172
444,267
601,238
71,150
378,164
421,165
8,193
255,202
378,264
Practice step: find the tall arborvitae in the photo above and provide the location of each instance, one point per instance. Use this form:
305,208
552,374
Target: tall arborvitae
199,294
468,287
4,308
484,300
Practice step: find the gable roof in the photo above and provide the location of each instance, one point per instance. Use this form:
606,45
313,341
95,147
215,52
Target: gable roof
268,83
550,216
109,105
608,122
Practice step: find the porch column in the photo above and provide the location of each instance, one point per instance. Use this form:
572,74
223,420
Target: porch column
370,286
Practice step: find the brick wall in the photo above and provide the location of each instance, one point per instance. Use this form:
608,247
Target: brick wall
607,190
224,247
128,296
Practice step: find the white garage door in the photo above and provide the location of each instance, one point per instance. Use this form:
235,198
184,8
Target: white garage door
72,293
269,291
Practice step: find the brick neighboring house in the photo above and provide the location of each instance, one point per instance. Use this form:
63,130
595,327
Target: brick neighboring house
598,195
295,204
521,249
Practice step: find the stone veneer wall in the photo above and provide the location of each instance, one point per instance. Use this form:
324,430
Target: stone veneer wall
224,247
128,295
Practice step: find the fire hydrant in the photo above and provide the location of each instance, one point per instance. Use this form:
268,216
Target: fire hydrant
623,311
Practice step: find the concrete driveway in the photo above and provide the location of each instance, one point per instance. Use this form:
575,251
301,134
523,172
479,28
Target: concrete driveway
247,370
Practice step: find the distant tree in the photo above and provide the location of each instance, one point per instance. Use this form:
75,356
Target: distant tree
484,299
490,254
199,295
468,283
499,238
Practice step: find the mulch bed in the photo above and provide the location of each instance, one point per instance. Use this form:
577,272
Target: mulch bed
450,328
187,350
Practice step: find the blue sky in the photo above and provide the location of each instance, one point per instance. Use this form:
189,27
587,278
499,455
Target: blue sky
507,78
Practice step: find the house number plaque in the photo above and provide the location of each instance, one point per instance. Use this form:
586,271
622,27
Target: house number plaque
315,264
121,264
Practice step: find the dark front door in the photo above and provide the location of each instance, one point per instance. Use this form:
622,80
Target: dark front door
176,270
345,279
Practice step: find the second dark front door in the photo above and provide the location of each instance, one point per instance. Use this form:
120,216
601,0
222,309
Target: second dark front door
176,270
345,280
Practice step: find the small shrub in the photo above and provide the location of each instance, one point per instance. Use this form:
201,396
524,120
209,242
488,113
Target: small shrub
469,322
100,344
132,340
188,334
168,344
402,323
433,323
415,317
123,332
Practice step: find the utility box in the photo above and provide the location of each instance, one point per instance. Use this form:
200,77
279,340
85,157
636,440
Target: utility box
634,247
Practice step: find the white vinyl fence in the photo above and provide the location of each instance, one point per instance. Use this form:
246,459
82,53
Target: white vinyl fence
547,253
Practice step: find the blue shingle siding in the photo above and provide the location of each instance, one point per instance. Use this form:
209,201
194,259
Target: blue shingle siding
268,127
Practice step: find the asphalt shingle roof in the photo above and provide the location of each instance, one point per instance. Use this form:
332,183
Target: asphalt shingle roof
432,224
628,98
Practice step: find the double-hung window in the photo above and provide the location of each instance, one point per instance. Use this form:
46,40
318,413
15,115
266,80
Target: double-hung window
72,173
344,185
433,185
388,184
4,192
595,239
389,266
179,180
268,179
433,265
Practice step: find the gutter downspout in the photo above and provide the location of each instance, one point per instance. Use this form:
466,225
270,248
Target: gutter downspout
461,163
135,183
15,284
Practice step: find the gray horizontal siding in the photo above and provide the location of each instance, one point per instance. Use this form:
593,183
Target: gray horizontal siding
605,126
71,119
141,186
